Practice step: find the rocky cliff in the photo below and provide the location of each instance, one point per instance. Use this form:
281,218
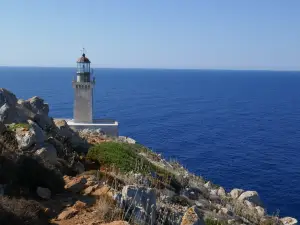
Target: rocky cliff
50,174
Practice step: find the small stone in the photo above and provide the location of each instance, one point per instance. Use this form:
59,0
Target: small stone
208,185
251,196
221,192
67,213
79,205
75,185
90,189
44,193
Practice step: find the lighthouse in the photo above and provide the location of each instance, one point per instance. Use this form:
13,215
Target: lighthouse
83,87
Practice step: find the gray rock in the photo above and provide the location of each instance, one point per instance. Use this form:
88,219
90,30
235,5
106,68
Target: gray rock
48,153
260,211
45,122
251,196
7,97
44,193
289,221
235,193
37,105
221,192
39,133
25,138
208,185
139,196
126,140
225,211
78,167
192,217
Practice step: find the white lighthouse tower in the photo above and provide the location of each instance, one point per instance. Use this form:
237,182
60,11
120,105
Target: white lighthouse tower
83,91
83,85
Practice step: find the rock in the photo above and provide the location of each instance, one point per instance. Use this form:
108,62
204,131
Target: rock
192,217
40,136
225,211
25,138
67,213
79,205
104,190
260,211
235,193
75,185
45,122
78,167
202,203
90,189
289,221
208,185
126,140
7,97
64,130
116,223
221,192
48,153
251,196
44,193
2,128
37,105
141,196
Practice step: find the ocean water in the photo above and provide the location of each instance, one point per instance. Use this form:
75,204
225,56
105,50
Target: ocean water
237,128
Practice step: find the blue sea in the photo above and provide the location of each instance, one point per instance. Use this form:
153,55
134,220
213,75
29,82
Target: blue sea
240,129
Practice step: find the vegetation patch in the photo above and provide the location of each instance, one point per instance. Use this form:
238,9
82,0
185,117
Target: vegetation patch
124,157
14,126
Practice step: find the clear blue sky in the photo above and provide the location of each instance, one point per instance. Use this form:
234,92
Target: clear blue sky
208,34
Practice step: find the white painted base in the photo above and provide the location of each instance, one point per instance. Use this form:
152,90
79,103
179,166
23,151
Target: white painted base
109,127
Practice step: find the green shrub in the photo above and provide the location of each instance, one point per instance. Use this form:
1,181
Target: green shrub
123,156
21,212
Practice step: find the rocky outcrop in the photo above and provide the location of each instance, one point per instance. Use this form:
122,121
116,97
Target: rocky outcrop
235,193
48,153
251,196
289,221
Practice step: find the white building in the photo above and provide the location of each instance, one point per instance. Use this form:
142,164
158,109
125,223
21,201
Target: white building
83,101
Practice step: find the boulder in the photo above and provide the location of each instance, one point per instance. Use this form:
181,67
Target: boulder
64,130
140,196
75,185
25,137
39,133
44,193
7,97
37,105
235,193
251,196
44,121
48,153
221,192
8,110
126,140
192,217
289,221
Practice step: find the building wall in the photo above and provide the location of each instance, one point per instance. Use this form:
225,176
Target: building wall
83,102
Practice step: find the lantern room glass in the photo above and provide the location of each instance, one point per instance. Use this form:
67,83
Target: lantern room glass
83,67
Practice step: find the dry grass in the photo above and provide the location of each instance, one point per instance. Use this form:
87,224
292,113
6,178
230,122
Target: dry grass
107,210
